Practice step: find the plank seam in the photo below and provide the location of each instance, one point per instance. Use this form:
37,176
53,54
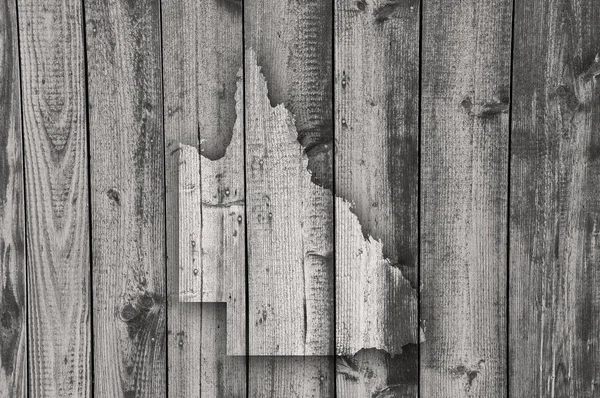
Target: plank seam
25,251
246,273
419,112
508,194
164,197
333,196
89,191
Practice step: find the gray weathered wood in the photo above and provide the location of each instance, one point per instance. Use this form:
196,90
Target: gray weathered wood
555,213
56,171
128,208
292,41
464,158
290,234
376,170
223,270
13,324
202,53
184,321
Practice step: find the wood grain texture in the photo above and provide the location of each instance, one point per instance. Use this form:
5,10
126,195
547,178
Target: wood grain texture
202,47
56,171
223,272
128,197
291,376
466,86
189,233
184,320
376,169
290,234
554,215
13,321
292,40
372,297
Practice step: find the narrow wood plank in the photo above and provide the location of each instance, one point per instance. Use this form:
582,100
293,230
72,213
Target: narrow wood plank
56,171
127,177
376,169
202,53
184,321
13,325
554,249
292,41
290,234
466,86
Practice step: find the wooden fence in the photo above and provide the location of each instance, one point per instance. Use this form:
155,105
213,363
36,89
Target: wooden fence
302,198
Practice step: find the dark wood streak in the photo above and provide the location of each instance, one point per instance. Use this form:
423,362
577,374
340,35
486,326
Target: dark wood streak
377,97
13,348
128,239
55,139
466,51
555,212
293,44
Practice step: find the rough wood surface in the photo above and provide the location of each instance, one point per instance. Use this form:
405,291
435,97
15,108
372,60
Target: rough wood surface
290,234
376,170
56,171
555,213
13,327
292,40
202,53
223,272
128,194
293,46
373,299
464,158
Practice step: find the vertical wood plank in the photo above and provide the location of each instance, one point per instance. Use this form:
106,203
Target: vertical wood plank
128,219
290,237
56,171
202,58
13,325
376,169
290,245
465,97
184,321
554,216
292,41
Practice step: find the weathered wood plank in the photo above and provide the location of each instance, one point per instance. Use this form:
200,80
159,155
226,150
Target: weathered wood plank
465,96
56,171
128,219
13,325
376,170
223,272
554,280
184,321
290,234
287,376
292,41
202,56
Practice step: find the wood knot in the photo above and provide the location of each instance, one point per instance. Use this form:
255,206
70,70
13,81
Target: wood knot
128,312
146,301
114,195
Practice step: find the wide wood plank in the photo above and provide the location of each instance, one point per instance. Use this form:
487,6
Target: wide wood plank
13,327
465,101
128,209
202,53
292,42
376,175
290,237
56,171
555,213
